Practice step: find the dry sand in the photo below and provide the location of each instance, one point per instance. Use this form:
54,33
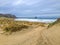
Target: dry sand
34,36
51,36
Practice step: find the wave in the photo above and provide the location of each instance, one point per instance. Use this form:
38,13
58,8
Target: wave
37,20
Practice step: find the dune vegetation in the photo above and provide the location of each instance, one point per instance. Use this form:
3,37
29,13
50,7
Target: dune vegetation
52,24
29,33
10,25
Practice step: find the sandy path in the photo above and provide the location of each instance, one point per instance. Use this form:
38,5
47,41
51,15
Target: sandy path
28,38
35,36
50,36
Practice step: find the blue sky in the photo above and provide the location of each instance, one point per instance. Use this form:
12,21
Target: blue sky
31,7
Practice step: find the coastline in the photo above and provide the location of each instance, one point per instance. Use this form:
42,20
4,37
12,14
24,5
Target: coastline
37,20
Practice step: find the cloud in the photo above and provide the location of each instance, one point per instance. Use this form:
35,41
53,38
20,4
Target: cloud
30,7
17,2
24,2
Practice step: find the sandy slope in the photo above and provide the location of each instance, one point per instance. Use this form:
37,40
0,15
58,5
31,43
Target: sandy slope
27,38
51,36
35,36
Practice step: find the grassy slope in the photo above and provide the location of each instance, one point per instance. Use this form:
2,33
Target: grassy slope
9,25
51,36
35,36
52,24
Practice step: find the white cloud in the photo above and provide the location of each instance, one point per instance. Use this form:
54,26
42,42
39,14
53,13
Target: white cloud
31,2
3,3
18,2
27,11
24,2
33,7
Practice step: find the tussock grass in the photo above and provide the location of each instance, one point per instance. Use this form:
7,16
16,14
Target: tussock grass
15,28
10,25
52,24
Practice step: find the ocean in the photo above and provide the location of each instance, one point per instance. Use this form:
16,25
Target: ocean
36,20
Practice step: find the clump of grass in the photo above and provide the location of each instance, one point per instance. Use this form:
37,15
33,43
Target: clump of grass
15,28
52,24
10,25
6,20
42,25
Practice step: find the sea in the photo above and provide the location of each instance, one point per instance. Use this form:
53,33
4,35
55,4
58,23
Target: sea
36,20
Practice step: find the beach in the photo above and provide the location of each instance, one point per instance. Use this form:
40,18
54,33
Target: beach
38,33
37,20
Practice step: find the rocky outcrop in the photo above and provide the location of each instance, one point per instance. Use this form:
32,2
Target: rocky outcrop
7,15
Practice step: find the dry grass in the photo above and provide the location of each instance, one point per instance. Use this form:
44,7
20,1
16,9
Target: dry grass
52,24
10,25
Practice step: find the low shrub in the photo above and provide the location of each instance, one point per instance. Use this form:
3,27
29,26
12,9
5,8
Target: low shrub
52,24
15,28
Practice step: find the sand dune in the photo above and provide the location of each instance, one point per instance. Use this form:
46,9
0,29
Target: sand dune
33,36
28,38
52,36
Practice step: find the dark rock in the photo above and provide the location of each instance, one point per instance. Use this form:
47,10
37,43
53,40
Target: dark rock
7,15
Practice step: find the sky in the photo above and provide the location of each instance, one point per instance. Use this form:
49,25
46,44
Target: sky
31,8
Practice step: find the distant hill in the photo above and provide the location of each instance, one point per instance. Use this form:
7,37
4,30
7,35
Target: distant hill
7,15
